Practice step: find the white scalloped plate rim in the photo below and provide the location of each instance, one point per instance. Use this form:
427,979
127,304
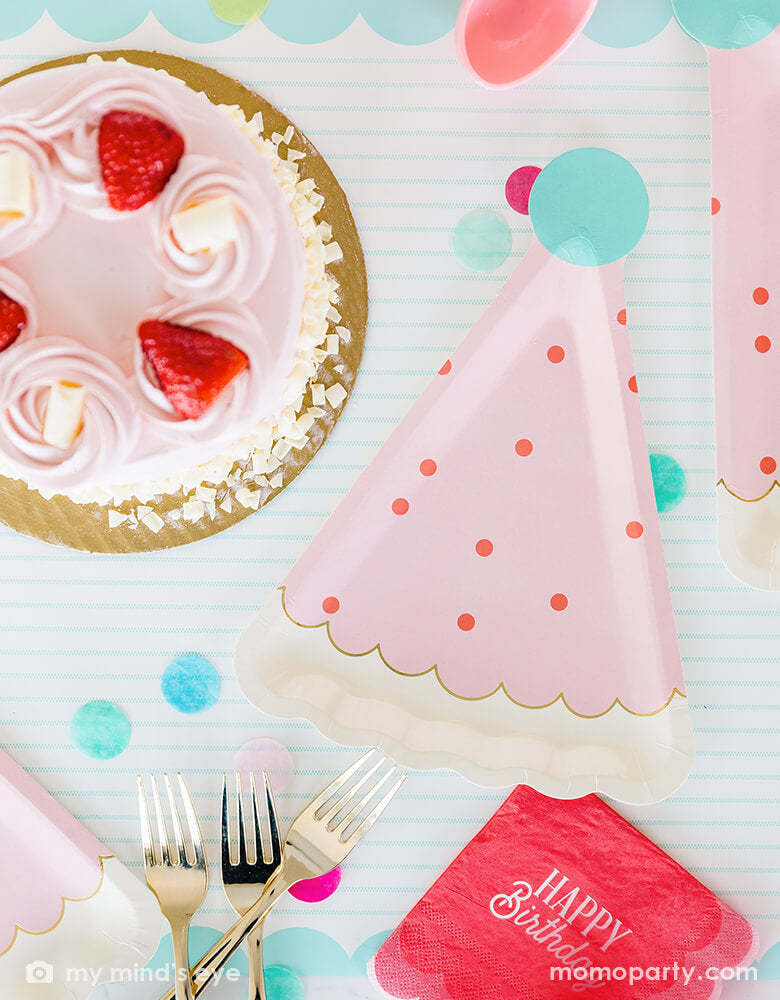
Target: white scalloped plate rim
291,672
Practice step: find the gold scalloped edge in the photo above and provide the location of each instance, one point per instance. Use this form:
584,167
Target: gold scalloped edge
500,688
65,899
722,482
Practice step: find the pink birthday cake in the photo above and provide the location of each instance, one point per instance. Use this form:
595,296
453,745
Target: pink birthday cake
164,300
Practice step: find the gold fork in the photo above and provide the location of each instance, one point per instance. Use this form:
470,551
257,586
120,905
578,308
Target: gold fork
319,839
176,873
247,871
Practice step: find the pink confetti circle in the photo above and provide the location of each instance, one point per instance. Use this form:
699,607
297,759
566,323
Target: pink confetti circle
314,890
266,755
518,187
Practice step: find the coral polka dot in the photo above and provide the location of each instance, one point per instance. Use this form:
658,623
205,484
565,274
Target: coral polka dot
715,206
763,344
760,296
556,354
400,505
632,384
331,605
428,467
484,547
559,602
524,447
634,529
466,622
446,368
622,318
768,465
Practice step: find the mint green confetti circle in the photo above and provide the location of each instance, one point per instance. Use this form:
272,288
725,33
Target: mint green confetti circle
482,241
589,207
281,984
238,11
100,730
669,482
728,24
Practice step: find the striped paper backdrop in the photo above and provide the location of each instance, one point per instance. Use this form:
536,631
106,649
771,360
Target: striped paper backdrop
416,145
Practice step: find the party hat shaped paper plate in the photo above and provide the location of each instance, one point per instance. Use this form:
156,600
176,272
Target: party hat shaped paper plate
491,595
70,913
742,39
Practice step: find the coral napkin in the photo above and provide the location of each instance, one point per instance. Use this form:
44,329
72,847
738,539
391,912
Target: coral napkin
557,898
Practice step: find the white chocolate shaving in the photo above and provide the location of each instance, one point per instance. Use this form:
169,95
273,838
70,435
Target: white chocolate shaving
207,227
248,498
16,186
333,252
193,510
64,414
336,395
153,522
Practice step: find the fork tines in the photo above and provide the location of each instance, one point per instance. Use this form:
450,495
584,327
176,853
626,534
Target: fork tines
257,848
341,806
187,848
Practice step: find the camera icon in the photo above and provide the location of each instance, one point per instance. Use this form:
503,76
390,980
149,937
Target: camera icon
40,972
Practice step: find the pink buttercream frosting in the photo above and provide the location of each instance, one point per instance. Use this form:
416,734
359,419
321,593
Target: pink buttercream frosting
110,418
88,275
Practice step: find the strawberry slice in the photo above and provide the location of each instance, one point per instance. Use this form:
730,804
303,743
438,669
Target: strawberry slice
193,366
138,155
13,319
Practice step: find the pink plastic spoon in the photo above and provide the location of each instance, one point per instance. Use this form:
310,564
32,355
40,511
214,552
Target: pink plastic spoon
503,42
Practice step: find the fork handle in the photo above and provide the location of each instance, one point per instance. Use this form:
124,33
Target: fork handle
205,971
254,943
181,961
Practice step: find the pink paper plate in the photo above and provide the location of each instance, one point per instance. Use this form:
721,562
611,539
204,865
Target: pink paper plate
66,902
743,48
491,595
